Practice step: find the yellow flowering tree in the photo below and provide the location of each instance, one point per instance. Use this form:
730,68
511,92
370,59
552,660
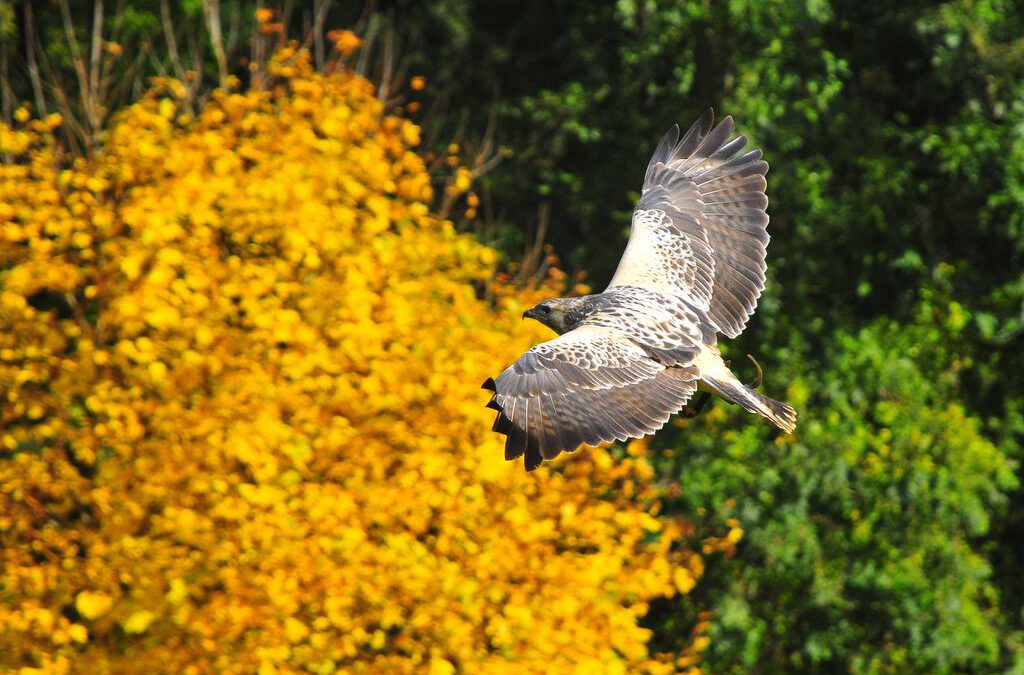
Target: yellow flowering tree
242,427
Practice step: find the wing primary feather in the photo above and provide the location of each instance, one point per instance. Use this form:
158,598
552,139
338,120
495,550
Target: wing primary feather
757,200
515,445
532,461
708,145
735,168
740,266
663,151
752,183
533,448
510,452
749,160
731,148
694,135
502,424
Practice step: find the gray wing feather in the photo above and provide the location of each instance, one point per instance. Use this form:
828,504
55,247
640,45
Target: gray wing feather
590,386
713,197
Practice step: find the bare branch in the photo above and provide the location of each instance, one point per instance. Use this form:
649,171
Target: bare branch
369,40
31,44
387,66
236,23
76,54
257,54
6,95
286,11
130,83
211,9
94,63
196,55
172,41
488,156
534,262
318,33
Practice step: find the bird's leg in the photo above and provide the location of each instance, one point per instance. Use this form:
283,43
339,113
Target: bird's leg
692,410
756,382
695,409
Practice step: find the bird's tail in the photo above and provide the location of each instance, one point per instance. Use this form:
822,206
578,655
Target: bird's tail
778,413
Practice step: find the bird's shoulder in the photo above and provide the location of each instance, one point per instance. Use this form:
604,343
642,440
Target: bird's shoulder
622,306
666,325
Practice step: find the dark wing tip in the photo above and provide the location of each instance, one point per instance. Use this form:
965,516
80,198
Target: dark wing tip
493,404
511,451
489,385
533,459
502,424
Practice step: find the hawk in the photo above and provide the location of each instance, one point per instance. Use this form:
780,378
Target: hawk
630,357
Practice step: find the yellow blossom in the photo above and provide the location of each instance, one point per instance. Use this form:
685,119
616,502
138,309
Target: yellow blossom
138,622
345,41
79,633
463,179
92,604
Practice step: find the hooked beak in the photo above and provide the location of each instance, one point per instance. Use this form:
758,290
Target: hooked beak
529,314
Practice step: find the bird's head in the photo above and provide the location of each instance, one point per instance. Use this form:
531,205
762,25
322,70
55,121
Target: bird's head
555,314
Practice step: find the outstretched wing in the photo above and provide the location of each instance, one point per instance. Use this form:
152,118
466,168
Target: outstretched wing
699,229
589,385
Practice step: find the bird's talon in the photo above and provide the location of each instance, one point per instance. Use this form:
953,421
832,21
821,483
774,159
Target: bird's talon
757,380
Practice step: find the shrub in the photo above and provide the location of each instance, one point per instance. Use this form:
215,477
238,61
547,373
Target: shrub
242,427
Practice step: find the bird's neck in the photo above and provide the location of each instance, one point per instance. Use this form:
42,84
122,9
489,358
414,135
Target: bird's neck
578,309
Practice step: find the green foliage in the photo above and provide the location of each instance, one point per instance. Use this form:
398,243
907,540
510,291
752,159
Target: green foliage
862,549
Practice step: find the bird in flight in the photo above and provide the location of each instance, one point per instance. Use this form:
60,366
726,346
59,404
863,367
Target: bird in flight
629,358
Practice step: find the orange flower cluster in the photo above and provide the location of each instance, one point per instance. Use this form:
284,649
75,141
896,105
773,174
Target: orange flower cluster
242,429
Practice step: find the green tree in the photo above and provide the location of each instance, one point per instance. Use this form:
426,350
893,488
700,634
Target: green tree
864,549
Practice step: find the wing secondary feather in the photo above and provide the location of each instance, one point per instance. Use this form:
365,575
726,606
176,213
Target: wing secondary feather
588,386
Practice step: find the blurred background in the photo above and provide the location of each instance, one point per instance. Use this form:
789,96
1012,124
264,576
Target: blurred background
256,258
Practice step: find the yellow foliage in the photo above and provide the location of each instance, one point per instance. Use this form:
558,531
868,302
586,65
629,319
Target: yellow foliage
242,427
92,605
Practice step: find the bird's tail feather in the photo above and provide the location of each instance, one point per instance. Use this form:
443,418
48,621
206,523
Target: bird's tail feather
778,413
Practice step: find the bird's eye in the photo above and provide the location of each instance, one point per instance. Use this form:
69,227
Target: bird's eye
544,309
